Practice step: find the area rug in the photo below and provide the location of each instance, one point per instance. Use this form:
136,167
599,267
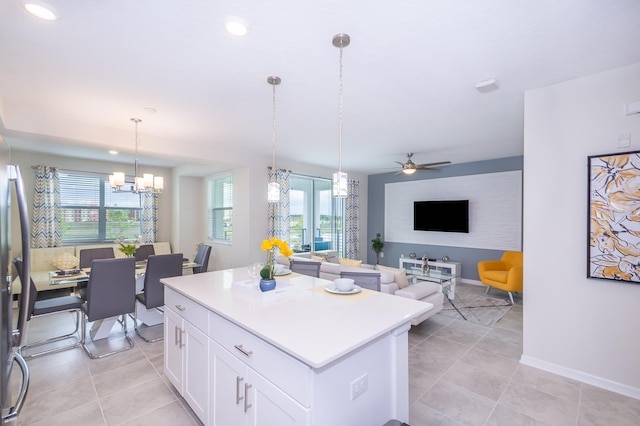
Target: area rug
473,305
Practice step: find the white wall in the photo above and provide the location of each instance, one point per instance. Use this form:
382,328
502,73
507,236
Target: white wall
578,327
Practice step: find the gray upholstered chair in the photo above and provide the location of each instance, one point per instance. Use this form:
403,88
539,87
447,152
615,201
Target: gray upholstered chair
363,279
110,293
202,258
306,268
152,297
143,252
89,255
49,306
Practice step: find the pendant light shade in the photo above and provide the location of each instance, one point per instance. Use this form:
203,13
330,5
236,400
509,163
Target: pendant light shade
340,178
273,188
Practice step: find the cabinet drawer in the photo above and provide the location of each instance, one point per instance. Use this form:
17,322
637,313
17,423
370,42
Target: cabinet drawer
186,308
284,371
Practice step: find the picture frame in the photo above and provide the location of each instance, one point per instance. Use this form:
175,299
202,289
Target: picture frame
613,240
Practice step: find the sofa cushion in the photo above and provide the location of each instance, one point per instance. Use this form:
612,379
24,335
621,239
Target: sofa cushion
350,262
319,258
419,290
400,275
65,261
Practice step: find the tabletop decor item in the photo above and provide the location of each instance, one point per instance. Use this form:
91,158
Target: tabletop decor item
267,282
412,255
129,249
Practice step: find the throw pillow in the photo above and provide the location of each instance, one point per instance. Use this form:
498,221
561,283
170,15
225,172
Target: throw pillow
350,262
319,258
65,261
400,275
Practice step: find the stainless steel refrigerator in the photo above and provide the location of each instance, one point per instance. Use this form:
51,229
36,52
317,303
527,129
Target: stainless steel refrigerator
10,337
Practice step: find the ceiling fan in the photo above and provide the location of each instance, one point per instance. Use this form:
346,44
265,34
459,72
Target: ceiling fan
410,167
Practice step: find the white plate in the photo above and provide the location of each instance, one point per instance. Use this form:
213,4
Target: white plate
281,273
332,289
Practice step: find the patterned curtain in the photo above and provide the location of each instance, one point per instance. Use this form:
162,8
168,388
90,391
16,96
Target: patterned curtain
352,221
278,221
46,230
149,225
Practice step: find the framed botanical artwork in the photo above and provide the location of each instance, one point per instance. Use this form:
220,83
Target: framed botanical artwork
613,250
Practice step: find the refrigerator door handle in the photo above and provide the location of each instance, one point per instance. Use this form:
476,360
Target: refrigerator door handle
12,415
16,177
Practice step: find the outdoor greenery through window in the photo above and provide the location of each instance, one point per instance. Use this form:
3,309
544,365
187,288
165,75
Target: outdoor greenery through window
91,212
316,218
220,208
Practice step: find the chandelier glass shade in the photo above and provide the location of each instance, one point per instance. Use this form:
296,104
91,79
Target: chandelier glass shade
339,188
273,188
147,183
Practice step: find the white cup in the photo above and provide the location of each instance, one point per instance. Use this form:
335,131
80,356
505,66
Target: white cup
344,284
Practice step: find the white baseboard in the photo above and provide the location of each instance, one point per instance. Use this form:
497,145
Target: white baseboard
581,376
468,281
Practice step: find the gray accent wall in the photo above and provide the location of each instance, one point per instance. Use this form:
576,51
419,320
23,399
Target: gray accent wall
469,257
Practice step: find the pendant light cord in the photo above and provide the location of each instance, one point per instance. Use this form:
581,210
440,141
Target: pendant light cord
273,137
340,115
135,165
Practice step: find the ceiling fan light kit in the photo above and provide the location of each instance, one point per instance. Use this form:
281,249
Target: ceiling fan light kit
409,167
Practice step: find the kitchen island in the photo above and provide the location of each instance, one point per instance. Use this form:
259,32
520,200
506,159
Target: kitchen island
298,355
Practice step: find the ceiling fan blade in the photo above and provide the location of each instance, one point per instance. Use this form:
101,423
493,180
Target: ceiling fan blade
402,164
427,165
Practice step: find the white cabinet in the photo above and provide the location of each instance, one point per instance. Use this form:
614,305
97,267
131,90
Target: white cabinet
186,351
241,396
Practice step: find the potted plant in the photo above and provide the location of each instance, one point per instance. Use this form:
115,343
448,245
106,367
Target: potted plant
267,282
376,245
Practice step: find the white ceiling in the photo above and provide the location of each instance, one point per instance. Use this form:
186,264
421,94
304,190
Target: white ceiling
409,76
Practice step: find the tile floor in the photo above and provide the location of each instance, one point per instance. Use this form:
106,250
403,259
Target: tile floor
460,374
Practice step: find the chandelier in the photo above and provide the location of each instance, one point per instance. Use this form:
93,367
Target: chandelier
340,178
273,189
147,183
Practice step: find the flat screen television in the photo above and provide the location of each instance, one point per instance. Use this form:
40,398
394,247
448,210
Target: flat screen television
441,216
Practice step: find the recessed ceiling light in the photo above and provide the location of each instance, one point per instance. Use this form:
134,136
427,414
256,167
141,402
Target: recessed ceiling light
236,26
113,152
41,10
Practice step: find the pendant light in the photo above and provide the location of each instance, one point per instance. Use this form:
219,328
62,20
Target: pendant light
147,183
340,178
273,189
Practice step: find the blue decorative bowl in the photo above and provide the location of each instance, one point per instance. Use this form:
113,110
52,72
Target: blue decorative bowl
267,285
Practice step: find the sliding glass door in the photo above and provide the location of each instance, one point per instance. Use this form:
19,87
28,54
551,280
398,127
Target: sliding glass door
316,217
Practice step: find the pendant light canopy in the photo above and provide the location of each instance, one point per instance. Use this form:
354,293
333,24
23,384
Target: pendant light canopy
340,178
147,183
273,189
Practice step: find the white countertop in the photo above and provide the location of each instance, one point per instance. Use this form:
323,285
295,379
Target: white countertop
305,321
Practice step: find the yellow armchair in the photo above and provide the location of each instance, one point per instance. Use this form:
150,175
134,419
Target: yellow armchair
504,274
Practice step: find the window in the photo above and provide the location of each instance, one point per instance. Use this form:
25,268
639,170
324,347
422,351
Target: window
316,218
220,209
92,213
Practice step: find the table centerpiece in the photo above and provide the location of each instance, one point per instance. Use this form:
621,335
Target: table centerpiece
267,281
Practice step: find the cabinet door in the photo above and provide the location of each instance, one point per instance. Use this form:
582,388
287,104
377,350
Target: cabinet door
271,406
172,349
229,383
196,372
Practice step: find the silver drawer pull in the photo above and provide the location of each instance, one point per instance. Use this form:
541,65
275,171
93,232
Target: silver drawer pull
180,307
246,397
175,335
243,350
238,397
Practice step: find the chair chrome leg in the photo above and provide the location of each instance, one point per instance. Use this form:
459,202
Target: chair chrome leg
487,290
75,344
123,322
155,327
510,297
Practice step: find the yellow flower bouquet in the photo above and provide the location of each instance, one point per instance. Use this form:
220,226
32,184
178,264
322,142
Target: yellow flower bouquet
269,245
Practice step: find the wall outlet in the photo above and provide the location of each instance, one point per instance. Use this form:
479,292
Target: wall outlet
381,254
624,140
359,386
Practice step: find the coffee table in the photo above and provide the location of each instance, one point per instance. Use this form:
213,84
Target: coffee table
443,279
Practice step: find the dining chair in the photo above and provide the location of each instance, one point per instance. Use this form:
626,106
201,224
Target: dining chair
368,280
110,293
48,306
143,252
152,297
202,258
86,257
306,268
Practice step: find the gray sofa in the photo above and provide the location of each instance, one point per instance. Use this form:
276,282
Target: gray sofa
330,270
